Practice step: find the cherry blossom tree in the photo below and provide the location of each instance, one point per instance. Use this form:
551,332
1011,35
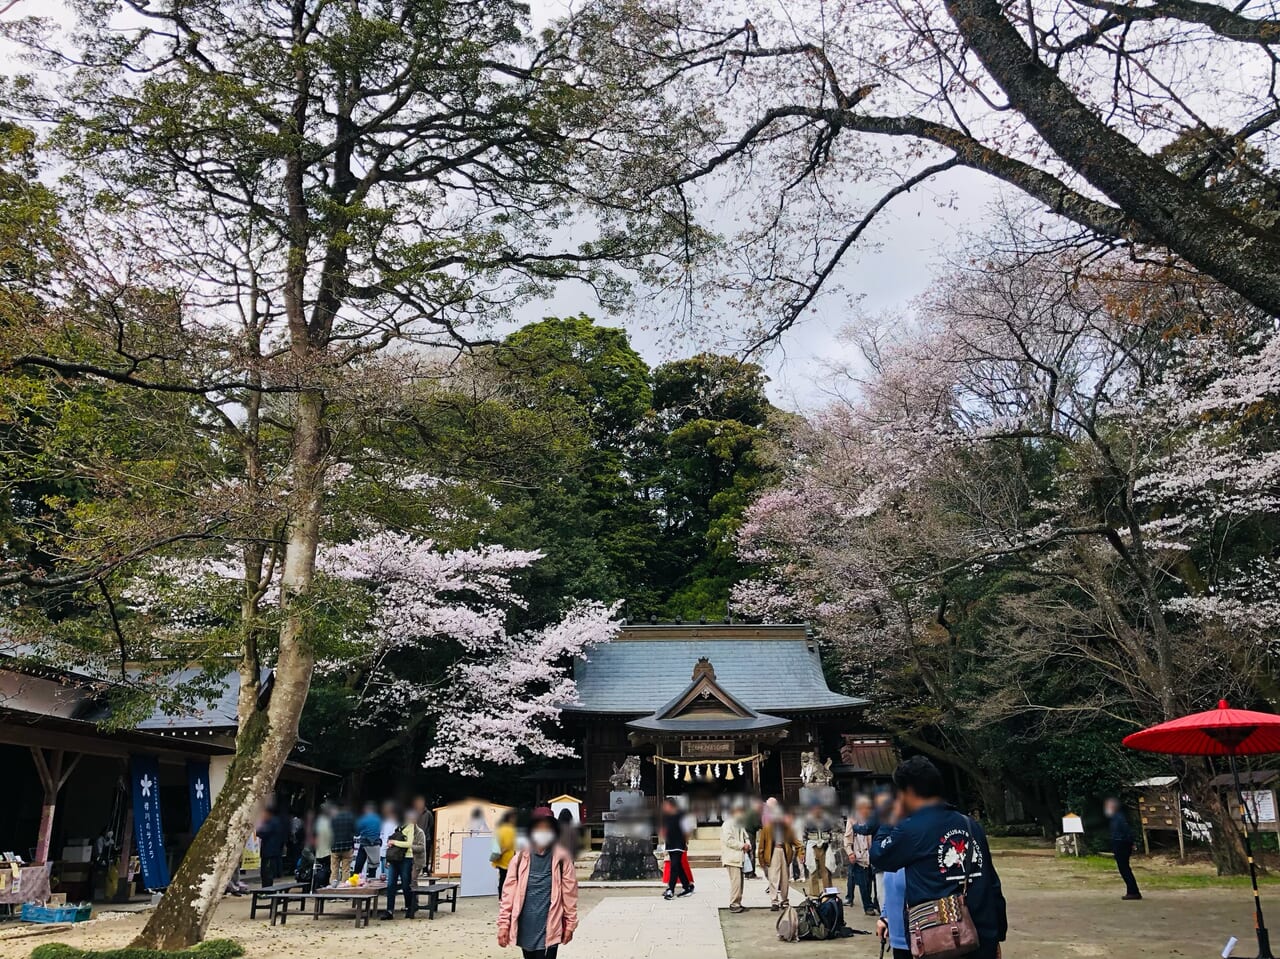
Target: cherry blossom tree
1056,468
277,207
394,602
500,692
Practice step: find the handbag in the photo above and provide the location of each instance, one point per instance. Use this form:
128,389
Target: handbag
942,928
396,853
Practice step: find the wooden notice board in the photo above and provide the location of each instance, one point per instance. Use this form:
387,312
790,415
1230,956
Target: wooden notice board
1160,810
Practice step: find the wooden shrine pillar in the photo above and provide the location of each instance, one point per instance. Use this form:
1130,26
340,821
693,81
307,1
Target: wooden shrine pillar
54,774
124,885
660,793
756,770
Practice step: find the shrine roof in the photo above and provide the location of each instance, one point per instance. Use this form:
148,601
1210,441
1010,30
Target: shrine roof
769,668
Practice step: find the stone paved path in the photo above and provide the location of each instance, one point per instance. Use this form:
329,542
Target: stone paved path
642,925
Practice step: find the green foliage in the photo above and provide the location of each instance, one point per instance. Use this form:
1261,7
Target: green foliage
630,481
653,472
209,949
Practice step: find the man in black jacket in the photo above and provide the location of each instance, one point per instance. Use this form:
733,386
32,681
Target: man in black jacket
343,824
1122,845
944,853
273,833
673,835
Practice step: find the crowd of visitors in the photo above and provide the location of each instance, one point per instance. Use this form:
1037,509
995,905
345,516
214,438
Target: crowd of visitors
330,846
901,854
924,851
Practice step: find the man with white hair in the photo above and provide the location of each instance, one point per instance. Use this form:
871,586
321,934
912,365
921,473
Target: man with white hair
735,844
858,831
777,850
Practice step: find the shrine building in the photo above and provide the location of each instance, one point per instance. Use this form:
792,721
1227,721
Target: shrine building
713,711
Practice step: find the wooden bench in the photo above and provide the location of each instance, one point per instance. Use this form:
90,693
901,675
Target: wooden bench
363,900
435,893
266,892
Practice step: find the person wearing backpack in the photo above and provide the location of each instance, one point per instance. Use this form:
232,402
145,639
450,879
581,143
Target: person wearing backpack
944,854
398,853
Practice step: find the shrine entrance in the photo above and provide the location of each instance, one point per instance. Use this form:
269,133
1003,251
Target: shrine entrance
686,698
708,746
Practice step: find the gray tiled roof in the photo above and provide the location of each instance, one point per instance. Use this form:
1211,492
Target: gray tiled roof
760,722
772,669
204,713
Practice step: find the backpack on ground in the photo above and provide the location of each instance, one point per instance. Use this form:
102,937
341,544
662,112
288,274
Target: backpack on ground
809,925
789,925
831,914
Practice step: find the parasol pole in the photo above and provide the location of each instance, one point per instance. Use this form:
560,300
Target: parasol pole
1264,938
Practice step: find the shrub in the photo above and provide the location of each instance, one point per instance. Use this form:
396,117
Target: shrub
211,949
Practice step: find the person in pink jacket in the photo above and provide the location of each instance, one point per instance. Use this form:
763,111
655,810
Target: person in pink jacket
539,910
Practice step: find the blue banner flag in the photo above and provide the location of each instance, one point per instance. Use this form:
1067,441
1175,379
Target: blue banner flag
198,787
148,832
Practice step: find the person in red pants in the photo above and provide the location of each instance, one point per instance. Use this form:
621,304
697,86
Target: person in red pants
677,842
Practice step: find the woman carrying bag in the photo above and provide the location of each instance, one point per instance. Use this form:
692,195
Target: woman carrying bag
539,910
399,854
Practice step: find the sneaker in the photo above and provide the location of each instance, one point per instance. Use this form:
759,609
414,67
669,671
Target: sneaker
848,902
775,908
668,894
386,915
869,911
736,909
1132,896
685,892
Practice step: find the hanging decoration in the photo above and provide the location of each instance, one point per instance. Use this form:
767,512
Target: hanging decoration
704,769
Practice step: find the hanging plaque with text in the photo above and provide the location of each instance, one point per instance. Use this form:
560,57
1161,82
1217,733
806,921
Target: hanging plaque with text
711,748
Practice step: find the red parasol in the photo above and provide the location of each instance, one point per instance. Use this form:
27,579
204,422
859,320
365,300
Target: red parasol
1221,732
1216,732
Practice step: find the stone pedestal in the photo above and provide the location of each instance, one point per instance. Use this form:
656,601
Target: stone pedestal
627,854
626,858
824,796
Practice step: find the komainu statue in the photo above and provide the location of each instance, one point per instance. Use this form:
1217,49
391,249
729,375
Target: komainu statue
814,773
626,776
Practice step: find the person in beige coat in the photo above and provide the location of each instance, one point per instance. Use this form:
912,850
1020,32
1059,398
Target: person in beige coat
777,849
734,846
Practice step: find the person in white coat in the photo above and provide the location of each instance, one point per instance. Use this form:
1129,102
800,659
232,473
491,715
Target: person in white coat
734,846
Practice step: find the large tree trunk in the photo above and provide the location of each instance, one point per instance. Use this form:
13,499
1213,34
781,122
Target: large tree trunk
1226,845
266,736
1183,216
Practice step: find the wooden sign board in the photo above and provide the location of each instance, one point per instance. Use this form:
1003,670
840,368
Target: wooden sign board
706,748
1071,823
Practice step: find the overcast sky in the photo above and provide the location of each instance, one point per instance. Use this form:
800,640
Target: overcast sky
892,263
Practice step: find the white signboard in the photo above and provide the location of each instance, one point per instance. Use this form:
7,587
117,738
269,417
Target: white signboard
1072,824
1261,804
